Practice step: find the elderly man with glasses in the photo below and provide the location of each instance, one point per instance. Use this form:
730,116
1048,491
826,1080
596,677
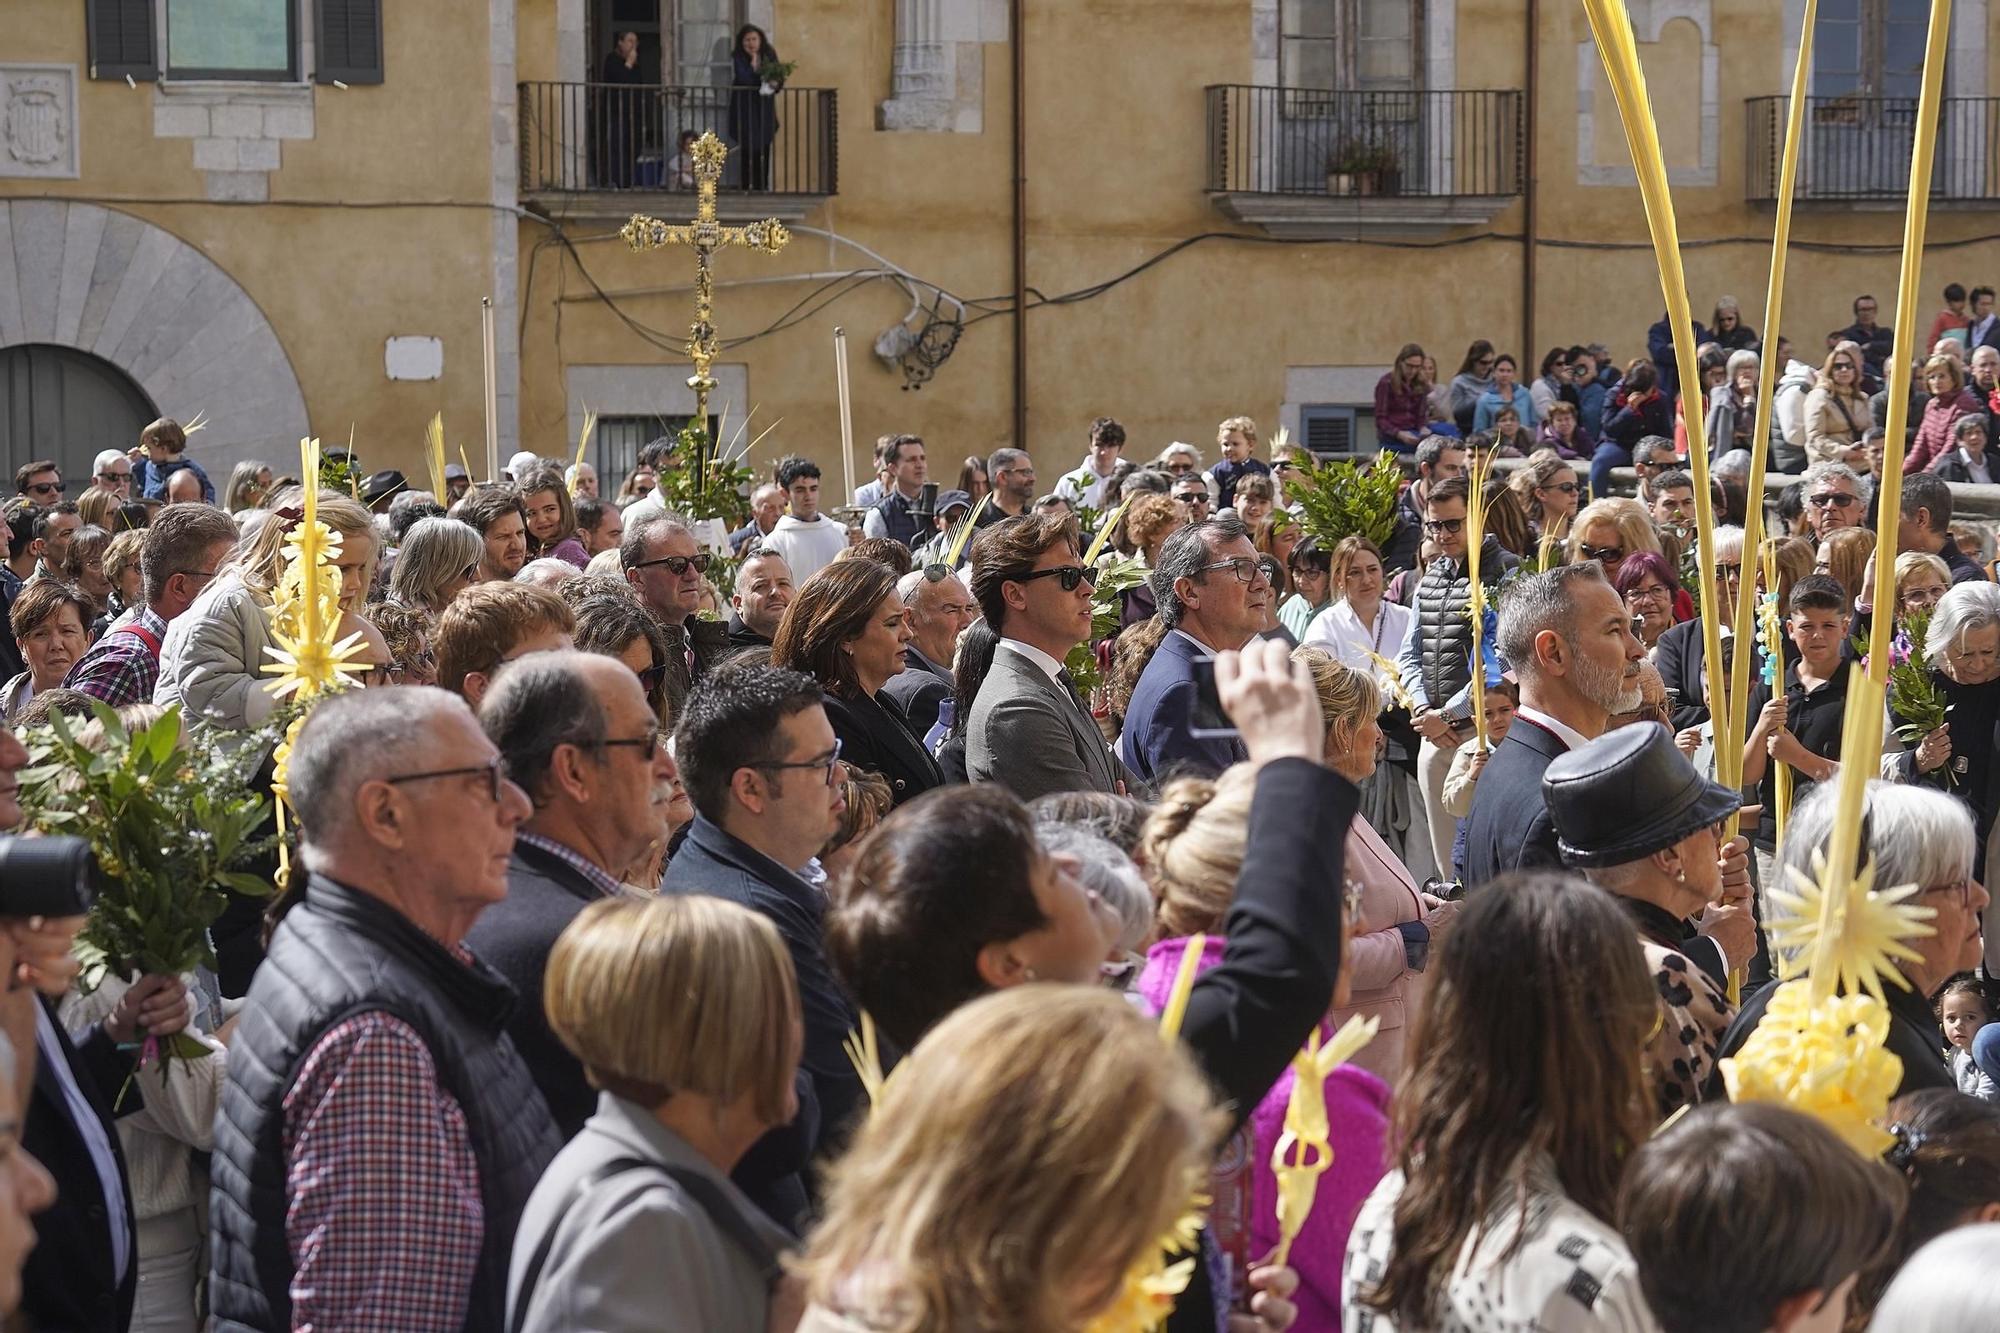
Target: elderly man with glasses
762,766
379,1134
575,732
1835,498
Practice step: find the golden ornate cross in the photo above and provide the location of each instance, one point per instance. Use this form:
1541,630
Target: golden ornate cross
704,236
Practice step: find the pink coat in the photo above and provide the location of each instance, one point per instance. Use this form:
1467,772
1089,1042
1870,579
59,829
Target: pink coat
1382,984
1357,1108
1933,442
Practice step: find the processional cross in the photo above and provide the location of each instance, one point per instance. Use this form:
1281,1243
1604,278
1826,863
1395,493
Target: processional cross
704,236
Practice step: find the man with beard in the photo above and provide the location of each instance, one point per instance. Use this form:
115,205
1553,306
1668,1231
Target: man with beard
1568,639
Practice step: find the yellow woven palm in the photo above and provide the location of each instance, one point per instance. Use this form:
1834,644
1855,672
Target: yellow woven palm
1824,1058
1868,927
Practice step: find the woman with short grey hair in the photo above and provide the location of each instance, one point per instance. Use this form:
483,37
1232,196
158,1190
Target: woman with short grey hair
1962,646
1914,836
1951,1284
1109,873
437,561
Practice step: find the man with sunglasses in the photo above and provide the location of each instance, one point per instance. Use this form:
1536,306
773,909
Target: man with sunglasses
41,481
1835,498
575,733
112,471
379,1134
1212,595
1029,730
762,766
667,568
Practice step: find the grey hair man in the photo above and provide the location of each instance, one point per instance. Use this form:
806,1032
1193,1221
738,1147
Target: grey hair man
379,1134
575,732
940,610
1013,475
1212,595
1836,497
1568,638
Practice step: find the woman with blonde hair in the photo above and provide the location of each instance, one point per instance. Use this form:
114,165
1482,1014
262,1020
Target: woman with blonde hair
1844,553
249,484
1194,845
1838,416
438,560
1921,579
213,659
1547,489
98,508
121,570
637,1214
1608,530
1949,401
1027,1155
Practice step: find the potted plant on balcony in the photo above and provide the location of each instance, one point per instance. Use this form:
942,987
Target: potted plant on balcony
1359,166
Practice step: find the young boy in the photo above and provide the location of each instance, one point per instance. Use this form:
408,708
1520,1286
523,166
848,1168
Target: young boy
1753,1218
161,453
1801,726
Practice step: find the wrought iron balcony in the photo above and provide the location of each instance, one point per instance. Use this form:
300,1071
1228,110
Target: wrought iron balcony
1304,162
608,150
1857,150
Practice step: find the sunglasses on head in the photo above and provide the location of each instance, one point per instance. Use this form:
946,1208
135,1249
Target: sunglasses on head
677,565
1070,575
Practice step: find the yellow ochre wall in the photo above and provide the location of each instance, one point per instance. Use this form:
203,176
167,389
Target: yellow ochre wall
1116,160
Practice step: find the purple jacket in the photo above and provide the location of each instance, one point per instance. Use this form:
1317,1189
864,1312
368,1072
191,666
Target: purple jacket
1357,1107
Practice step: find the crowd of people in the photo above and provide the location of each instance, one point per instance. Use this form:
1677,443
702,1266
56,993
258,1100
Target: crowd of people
775,928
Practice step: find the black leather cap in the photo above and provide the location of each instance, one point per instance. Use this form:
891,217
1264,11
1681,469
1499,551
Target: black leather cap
1628,794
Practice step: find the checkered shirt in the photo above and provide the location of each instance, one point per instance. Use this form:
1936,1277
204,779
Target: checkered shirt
120,667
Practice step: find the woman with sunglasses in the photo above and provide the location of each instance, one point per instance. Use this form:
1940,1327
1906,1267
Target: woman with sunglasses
847,628
1547,488
1837,412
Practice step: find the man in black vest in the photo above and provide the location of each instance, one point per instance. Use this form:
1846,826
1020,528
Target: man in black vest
379,1134
903,457
577,735
1568,638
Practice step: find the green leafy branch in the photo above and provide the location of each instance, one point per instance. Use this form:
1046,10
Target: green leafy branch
1335,500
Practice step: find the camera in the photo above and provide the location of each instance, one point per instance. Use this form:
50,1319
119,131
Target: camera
924,507
47,877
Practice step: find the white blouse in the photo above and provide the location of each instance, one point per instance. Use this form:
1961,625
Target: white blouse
1338,630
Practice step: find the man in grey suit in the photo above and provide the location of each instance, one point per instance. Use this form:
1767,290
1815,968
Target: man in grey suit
940,609
1029,730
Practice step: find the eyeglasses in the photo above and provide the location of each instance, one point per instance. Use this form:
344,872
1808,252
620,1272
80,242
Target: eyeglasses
1280,469
1199,497
114,476
647,745
1566,487
936,573
1652,593
199,573
490,770
1071,575
45,487
1963,889
1729,573
1437,527
1838,499
1243,567
1609,555
1843,365
677,565
1180,468
830,762
653,677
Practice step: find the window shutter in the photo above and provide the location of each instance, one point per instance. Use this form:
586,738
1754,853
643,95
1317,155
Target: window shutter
350,41
1328,430
121,39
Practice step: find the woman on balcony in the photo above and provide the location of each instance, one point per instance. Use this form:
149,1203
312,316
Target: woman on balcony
618,113
753,107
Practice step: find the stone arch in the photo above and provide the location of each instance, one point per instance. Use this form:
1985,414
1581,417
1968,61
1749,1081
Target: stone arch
119,287
1650,19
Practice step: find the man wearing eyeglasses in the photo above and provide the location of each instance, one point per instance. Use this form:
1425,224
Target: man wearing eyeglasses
112,471
1835,498
1191,494
575,733
183,549
379,1134
1211,595
40,481
667,568
1013,474
762,766
940,608
1029,729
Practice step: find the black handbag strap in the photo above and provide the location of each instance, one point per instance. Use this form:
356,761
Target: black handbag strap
710,1199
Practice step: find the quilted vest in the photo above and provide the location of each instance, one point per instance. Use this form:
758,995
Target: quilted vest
898,522
1444,634
338,953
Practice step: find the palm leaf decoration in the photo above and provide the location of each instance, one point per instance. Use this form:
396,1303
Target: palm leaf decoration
1340,499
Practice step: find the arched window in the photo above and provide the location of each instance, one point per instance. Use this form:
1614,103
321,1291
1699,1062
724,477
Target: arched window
1350,45
57,402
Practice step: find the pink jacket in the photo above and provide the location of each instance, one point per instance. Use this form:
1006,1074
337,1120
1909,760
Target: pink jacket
1383,986
1933,442
1357,1108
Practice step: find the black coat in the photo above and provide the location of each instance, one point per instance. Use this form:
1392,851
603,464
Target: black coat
876,736
1913,1038
918,689
544,894
714,863
753,117
1510,828
68,1283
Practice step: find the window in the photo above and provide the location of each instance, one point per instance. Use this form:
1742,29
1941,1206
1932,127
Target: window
121,39
232,39
349,41
1869,48
618,440
1327,429
1348,45
704,37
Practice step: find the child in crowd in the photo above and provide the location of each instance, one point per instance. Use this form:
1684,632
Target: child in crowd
1754,1217
1470,761
1961,1012
1801,725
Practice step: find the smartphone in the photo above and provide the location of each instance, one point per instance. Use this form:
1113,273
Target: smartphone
1209,721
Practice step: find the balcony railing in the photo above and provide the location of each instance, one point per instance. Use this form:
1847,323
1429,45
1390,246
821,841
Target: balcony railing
1858,149
1454,143
597,138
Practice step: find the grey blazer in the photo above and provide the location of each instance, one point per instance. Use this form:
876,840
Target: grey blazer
635,1250
1027,735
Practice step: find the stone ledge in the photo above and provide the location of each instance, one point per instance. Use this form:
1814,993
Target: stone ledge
1320,217
733,207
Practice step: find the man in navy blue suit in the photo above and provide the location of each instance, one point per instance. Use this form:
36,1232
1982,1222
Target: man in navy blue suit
1212,596
1568,638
